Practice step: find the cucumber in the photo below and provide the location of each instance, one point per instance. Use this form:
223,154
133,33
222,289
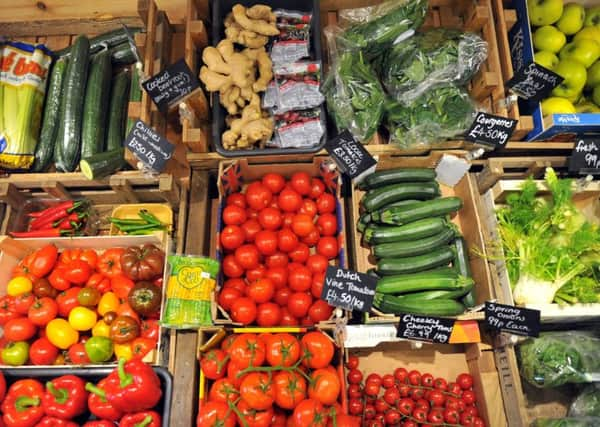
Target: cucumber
433,307
379,197
123,54
461,264
68,139
400,215
117,111
414,264
95,105
447,280
135,95
394,176
413,247
102,164
50,123
376,234
439,294
363,222
103,41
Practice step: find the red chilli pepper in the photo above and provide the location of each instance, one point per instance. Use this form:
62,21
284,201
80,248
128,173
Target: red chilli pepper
65,397
47,232
48,421
48,219
133,386
22,406
99,423
99,405
63,205
141,419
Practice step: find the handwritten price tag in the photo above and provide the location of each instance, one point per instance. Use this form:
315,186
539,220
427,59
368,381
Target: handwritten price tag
425,328
491,130
148,146
171,84
585,158
534,82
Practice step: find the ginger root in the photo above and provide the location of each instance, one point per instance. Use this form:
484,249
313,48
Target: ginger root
261,11
259,26
235,33
265,68
248,129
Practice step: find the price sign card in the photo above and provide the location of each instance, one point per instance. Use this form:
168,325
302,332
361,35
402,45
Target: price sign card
534,82
425,328
515,320
348,289
491,130
585,158
171,84
148,146
350,156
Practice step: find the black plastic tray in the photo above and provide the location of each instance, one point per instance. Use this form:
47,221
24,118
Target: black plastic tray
94,375
219,10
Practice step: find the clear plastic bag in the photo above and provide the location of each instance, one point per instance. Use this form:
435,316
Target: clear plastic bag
587,404
293,41
298,129
429,59
567,422
296,87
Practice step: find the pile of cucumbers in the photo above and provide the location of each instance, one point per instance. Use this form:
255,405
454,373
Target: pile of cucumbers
422,260
84,119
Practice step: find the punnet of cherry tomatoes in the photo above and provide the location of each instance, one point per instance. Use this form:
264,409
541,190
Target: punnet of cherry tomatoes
278,379
277,238
81,306
410,398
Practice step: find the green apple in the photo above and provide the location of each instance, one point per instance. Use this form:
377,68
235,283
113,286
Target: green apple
546,59
544,12
585,51
555,105
571,19
593,75
592,33
596,95
574,75
592,16
549,38
587,107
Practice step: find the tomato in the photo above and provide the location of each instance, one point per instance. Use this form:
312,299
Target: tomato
234,215
287,319
391,395
406,406
274,182
278,259
19,329
316,188
243,310
261,290
420,414
320,311
282,350
61,334
471,410
215,414
355,406
300,279
316,286
414,377
266,242
309,208
43,311
302,225
251,227
299,303
354,376
256,273
121,285
324,386
227,296
420,403
231,268
232,237
468,396
436,416
309,413
7,309
289,200
247,256
317,263
388,381
287,219
43,260
437,398
109,263
77,355
257,390
247,349
440,384
354,391
142,346
312,238
465,381
96,281
290,389
214,364
258,196
392,417
277,275
19,285
328,247
286,240
42,352
410,423
270,218
369,411
318,350
250,417
372,389
352,362
150,329
417,393
454,388
427,380
400,374
301,183
223,390
236,199
300,254
87,255
327,224
77,272
451,416
57,278
22,302
268,314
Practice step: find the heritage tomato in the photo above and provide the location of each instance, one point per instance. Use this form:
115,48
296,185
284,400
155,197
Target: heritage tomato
247,349
67,301
57,278
258,196
318,350
43,260
77,271
87,255
324,386
43,311
289,200
77,355
232,237
19,329
23,302
150,329
290,389
310,413
109,263
214,364
282,350
243,310
274,182
42,352
7,309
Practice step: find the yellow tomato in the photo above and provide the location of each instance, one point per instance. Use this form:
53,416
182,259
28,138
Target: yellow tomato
18,285
123,351
101,329
82,318
108,302
61,334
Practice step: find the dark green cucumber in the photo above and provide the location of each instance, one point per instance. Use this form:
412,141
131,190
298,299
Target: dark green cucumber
363,222
122,54
446,280
117,111
414,264
95,105
50,123
461,264
433,307
439,294
68,139
103,41
413,247
394,176
400,215
379,197
102,164
377,234
135,95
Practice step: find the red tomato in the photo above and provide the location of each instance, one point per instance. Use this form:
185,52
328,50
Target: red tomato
268,314
300,254
23,302
309,207
302,225
215,414
270,218
388,381
326,203
406,406
243,310
278,259
7,309
77,354
400,374
67,301
251,227
436,416
420,415
286,240
328,247
301,182
258,196
282,296
427,380
437,398
232,237
354,376
471,410
43,352
236,199
324,386
252,213
277,275
287,319
317,348
289,200
316,188
465,381
300,279
227,296
274,182
414,377
237,283
354,391
317,263
266,242
392,417
290,389
261,290
299,303
246,350
310,413
320,311
352,362
287,219
247,256
327,224
355,406
43,311
256,273
372,389
234,215
214,364
279,418
316,286
468,396
231,268
223,390
150,329
312,238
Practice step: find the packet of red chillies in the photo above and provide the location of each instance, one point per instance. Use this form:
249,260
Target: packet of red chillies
67,218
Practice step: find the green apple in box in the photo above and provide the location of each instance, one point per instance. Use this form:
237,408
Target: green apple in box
548,38
592,16
556,105
586,107
574,76
544,12
571,19
585,51
592,33
596,95
546,59
593,76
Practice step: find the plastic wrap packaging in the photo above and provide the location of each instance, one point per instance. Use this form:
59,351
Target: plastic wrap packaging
587,403
567,422
293,41
557,358
440,113
430,59
295,87
298,129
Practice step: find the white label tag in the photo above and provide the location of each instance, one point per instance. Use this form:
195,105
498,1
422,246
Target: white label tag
451,170
369,335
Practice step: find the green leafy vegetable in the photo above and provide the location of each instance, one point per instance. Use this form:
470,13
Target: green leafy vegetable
587,404
567,422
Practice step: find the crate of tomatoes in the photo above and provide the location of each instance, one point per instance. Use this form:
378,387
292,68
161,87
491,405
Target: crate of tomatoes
271,379
278,228
81,301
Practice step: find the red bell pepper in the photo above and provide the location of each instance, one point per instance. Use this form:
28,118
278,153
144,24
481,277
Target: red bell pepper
55,422
65,397
2,386
99,423
22,406
133,386
141,419
99,405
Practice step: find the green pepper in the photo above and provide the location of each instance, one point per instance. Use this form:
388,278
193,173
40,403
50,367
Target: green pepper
99,349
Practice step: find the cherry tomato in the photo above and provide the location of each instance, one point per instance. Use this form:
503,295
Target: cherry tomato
299,303
289,200
227,296
471,410
427,380
454,388
301,183
374,379
388,381
437,398
258,196
468,397
391,395
274,182
354,391
326,203
400,374
328,247
268,314
355,406
392,417
381,405
406,406
261,290
436,416
414,377
234,215
236,199
354,376
316,188
232,237
420,415
286,240
231,268
440,384
266,242
465,381
243,310
372,389
270,218
251,228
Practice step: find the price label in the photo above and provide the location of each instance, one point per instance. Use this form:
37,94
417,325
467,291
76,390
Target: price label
585,158
534,82
148,146
425,328
515,320
170,85
351,156
491,130
348,289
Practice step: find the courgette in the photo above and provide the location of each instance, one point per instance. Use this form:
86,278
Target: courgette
413,247
424,281
399,215
363,222
414,264
50,123
394,176
461,264
135,95
103,41
95,105
429,295
123,54
117,111
68,139
102,164
433,307
379,197
426,227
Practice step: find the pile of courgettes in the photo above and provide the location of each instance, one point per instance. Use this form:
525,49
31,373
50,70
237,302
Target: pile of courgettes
86,105
422,260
